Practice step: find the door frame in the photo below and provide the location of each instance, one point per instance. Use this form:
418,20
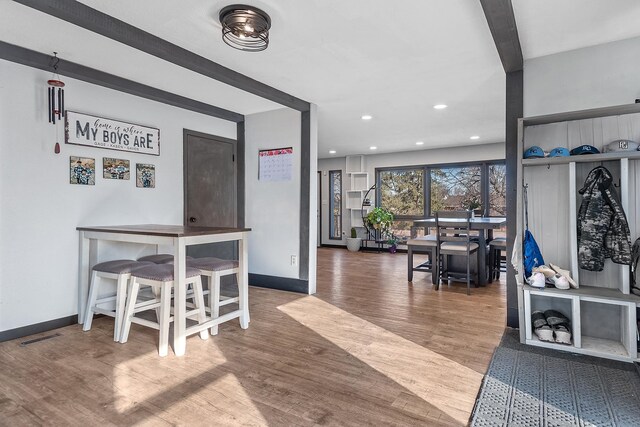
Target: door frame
238,177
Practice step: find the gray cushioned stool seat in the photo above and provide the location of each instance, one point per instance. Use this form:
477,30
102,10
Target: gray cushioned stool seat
161,272
212,264
159,258
499,242
455,246
430,241
120,266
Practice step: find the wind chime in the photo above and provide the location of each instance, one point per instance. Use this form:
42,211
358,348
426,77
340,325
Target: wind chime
56,97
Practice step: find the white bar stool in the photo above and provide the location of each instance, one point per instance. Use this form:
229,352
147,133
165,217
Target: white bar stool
120,271
160,278
214,269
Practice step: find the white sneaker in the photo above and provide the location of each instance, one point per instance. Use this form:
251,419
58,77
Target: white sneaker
566,274
560,282
547,271
536,280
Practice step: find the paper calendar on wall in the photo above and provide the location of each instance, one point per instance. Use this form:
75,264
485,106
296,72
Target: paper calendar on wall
275,164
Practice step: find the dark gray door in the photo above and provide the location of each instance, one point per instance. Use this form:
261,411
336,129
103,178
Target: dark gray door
210,188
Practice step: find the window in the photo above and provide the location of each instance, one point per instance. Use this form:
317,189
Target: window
402,192
456,188
497,190
335,205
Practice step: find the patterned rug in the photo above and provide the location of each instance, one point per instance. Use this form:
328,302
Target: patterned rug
527,386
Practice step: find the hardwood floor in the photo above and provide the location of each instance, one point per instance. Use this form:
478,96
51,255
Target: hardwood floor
368,349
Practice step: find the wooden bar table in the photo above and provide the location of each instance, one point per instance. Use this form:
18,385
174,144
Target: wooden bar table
484,226
177,236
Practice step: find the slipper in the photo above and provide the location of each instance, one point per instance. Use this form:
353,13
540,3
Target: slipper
562,334
566,274
540,327
554,318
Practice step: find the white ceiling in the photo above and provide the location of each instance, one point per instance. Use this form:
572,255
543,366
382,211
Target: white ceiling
551,26
349,57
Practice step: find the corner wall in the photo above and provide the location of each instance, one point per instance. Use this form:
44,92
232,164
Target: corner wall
40,209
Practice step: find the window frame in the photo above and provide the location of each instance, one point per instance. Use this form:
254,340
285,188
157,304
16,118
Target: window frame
331,204
426,175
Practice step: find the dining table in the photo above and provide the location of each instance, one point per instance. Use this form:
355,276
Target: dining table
179,237
483,225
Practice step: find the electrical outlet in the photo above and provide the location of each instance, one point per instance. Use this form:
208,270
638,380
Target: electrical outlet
294,260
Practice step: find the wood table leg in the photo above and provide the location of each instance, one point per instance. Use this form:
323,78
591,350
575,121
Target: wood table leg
180,294
482,255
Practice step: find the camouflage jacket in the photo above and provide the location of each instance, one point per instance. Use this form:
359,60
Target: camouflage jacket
603,231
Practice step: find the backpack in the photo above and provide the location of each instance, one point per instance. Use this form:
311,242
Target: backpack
531,255
635,261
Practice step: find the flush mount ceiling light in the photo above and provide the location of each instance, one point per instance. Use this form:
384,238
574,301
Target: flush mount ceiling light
420,143
332,151
474,137
373,148
245,27
440,106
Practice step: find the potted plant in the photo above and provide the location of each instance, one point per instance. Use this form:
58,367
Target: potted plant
393,244
380,219
354,242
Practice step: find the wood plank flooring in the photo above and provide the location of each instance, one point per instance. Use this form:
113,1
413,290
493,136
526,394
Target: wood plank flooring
368,349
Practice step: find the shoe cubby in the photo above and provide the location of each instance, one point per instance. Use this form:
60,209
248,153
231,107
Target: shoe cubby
538,300
608,328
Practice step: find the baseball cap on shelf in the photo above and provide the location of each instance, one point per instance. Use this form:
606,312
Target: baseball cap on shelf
559,152
584,149
621,145
534,152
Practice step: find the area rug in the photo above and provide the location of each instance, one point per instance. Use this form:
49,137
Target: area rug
528,386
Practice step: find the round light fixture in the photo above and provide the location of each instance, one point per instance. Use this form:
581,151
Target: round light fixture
373,148
332,151
474,137
419,143
440,106
245,27
367,117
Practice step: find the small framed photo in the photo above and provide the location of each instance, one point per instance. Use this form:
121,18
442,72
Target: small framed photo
145,175
83,170
115,168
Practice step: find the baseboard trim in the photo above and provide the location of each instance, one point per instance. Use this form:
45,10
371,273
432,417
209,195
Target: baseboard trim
279,283
37,328
333,246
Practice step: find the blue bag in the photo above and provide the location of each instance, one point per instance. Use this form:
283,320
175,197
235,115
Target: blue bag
531,255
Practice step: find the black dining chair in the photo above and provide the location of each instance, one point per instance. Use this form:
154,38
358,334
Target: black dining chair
453,233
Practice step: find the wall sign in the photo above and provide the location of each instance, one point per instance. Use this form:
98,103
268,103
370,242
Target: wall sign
275,164
84,129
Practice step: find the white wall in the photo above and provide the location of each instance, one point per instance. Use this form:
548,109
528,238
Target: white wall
272,208
40,209
591,77
407,158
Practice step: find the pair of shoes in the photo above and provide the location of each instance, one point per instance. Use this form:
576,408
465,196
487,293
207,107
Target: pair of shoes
536,280
551,326
565,274
550,276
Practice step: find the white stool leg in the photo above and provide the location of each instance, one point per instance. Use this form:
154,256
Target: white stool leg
163,320
244,310
132,298
121,298
214,299
93,296
198,299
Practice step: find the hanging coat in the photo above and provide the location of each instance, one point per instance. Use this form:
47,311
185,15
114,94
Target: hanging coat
603,231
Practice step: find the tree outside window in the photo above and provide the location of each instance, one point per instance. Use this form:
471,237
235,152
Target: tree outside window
335,208
497,190
456,188
402,192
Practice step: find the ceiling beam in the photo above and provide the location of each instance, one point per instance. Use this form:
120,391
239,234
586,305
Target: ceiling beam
502,23
42,61
98,22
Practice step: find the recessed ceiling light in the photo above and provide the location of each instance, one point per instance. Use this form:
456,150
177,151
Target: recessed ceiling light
367,117
373,148
332,151
474,137
419,143
440,106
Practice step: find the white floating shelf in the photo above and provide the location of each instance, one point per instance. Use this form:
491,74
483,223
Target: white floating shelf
585,158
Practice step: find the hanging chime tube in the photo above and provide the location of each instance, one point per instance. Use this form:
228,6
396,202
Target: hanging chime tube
49,104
